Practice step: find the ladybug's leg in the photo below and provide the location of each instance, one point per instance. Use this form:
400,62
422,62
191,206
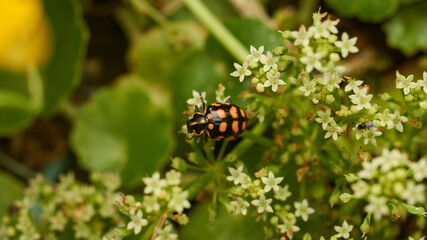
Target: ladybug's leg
198,138
206,138
228,99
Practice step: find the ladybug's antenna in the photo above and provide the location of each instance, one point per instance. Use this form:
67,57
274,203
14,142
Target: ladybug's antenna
203,102
196,108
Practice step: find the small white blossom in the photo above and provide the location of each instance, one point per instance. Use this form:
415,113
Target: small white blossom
241,71
398,120
137,222
263,204
269,61
333,130
239,206
352,84
423,83
360,188
236,175
289,227
378,206
271,182
331,81
419,169
361,98
414,193
389,159
347,45
302,209
302,37
151,204
173,177
311,60
166,233
405,83
369,171
309,86
282,193
273,81
319,29
196,100
179,200
324,118
255,54
343,231
154,184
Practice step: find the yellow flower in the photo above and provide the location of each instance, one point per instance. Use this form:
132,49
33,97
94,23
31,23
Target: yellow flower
24,34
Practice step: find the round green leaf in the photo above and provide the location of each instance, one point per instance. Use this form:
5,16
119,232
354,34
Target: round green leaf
407,29
365,10
70,36
125,128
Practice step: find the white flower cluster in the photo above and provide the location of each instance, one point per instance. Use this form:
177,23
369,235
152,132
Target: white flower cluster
415,92
262,68
386,177
247,192
162,195
67,206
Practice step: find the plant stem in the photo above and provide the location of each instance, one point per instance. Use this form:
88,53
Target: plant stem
222,34
144,7
199,184
222,150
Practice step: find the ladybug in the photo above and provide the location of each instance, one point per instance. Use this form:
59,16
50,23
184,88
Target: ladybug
221,121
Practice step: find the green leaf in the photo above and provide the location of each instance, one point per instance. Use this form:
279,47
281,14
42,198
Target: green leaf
19,107
226,226
407,29
70,37
124,128
365,10
10,191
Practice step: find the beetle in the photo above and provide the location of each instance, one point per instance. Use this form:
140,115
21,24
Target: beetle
220,121
365,125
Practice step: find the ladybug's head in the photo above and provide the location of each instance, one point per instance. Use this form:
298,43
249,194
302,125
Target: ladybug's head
196,123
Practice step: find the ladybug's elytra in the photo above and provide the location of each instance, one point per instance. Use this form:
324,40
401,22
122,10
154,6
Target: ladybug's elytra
220,121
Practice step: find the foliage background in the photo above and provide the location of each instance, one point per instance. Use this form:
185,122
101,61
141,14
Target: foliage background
112,92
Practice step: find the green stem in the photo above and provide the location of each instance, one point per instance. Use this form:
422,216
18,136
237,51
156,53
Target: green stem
199,184
222,150
149,232
222,34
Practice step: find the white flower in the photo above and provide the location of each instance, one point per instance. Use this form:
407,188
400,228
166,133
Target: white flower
154,184
236,175
197,98
331,25
419,169
378,206
288,227
352,84
320,29
271,182
360,188
263,204
137,222
343,231
398,120
269,61
386,118
311,59
411,238
414,193
255,54
389,159
173,177
331,81
151,204
361,98
282,193
241,71
332,130
405,82
347,45
302,37
309,86
423,83
165,233
324,118
369,135
179,200
245,181
369,171
239,206
273,81
302,209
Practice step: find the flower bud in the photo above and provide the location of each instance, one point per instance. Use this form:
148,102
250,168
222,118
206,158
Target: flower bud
260,87
351,177
329,99
345,197
278,51
364,228
179,164
334,57
254,80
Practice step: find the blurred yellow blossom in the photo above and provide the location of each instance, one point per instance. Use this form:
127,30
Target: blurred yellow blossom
24,34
